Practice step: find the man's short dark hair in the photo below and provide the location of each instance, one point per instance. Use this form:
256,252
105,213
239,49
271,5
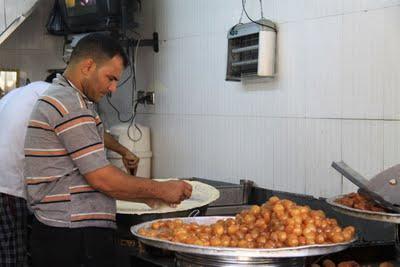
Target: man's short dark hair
99,47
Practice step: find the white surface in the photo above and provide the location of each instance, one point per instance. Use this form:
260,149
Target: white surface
266,53
2,16
14,9
15,13
337,66
140,146
202,194
391,143
290,155
323,67
364,65
323,145
15,110
391,83
200,147
363,149
141,139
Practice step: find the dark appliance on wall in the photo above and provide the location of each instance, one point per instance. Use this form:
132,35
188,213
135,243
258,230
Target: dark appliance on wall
97,15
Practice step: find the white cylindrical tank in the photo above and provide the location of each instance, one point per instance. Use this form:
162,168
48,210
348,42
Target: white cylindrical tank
138,142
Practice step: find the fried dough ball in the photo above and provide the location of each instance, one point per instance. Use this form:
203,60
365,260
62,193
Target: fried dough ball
358,201
218,229
255,210
386,264
328,263
275,224
348,264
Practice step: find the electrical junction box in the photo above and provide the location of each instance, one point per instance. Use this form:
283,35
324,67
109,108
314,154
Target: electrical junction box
252,51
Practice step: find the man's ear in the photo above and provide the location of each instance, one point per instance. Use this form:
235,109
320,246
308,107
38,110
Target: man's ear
87,66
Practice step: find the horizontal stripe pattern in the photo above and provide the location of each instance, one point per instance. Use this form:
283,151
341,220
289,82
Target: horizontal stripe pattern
56,198
72,123
92,216
81,189
83,152
40,180
39,125
55,152
77,134
56,104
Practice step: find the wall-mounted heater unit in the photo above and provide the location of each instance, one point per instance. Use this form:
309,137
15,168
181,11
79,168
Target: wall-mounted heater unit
251,51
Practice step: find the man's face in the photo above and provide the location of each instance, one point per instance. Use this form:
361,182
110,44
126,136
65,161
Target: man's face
103,79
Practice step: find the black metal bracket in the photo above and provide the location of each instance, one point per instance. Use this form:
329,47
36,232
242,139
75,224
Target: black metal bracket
147,42
133,42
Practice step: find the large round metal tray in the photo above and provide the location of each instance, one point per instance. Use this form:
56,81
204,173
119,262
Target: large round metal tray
301,251
364,214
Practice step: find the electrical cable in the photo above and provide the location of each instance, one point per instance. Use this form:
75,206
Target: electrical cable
241,17
108,97
135,56
247,15
129,76
130,125
240,22
116,110
132,75
137,100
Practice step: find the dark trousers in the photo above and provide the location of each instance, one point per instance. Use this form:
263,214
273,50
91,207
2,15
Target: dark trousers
13,231
72,247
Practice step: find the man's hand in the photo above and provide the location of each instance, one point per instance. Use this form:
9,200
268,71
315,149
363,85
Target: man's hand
154,203
129,159
131,162
175,191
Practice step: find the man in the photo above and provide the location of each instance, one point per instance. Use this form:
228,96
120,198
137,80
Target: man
15,110
71,186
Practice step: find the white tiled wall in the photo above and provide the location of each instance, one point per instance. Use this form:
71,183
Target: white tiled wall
2,16
215,147
364,64
335,97
289,154
323,145
362,147
391,143
13,10
391,81
30,49
323,66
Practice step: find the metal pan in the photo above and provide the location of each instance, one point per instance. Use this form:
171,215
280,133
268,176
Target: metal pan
302,251
364,214
369,188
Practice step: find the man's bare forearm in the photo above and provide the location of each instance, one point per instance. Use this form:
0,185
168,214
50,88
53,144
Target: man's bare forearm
112,144
119,185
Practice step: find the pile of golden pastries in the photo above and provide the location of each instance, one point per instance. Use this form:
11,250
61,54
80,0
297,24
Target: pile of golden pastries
277,223
329,263
357,201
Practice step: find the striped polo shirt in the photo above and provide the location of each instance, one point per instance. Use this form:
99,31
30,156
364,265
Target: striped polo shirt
64,141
